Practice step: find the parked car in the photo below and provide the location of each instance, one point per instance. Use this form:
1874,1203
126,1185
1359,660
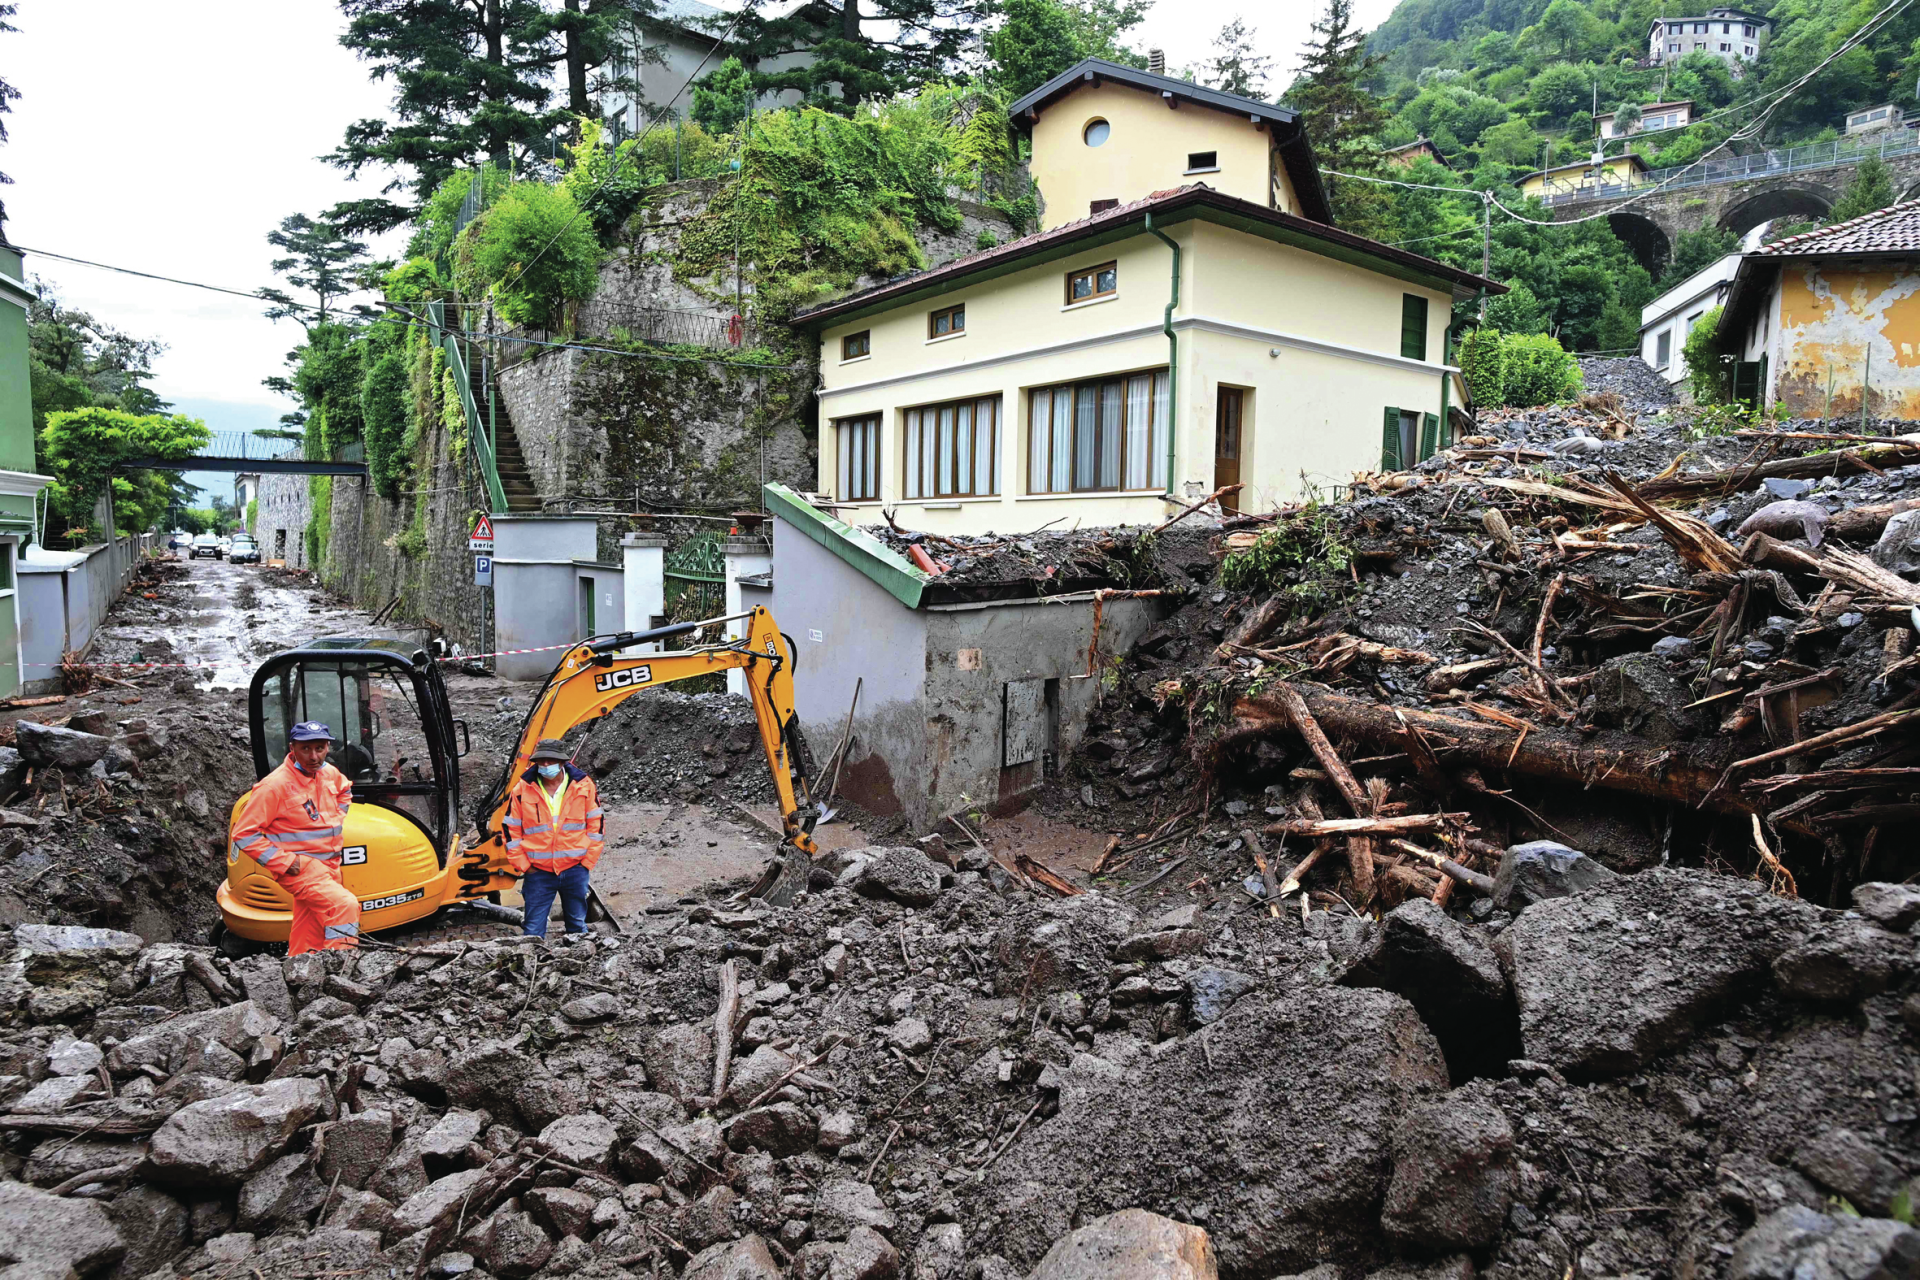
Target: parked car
208,545
243,550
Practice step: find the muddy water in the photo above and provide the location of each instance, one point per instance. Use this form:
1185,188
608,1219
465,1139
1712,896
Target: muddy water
232,616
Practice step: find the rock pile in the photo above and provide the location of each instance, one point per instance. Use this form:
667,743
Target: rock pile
920,1069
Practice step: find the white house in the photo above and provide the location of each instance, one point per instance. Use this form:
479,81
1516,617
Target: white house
1873,119
666,51
1668,319
1732,35
1654,116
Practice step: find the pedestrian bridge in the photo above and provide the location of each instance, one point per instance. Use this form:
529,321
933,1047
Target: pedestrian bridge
1738,193
242,451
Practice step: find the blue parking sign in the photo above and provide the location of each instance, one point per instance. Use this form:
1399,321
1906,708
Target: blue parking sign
483,571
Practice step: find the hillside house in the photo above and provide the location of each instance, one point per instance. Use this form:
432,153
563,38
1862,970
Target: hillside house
1585,180
1668,319
1653,117
1732,35
1406,153
1197,322
1821,322
664,50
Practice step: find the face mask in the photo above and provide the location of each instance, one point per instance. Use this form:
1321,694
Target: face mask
549,770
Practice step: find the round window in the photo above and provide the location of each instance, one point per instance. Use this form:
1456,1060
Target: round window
1096,132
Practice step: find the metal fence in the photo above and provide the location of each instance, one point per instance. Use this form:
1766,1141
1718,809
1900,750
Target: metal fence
1764,164
693,328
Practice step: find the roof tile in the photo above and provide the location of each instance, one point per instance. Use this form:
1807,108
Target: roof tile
1894,229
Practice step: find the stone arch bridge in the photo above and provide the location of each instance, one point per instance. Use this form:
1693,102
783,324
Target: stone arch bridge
1738,193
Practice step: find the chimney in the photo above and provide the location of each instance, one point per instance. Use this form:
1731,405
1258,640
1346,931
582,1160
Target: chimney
1157,61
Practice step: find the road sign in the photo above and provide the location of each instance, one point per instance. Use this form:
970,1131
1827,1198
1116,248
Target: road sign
481,539
483,571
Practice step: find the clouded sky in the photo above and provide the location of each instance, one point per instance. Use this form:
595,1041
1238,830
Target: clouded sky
170,137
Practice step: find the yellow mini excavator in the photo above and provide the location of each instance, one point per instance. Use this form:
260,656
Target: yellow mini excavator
399,744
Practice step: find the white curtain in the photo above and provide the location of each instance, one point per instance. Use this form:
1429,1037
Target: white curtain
986,447
1160,421
1139,430
1062,478
1110,393
915,488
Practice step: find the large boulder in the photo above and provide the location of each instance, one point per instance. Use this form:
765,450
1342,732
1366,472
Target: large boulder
46,744
1891,906
586,1141
1844,962
1798,1243
1612,978
744,1259
227,1139
49,1237
353,1148
1452,977
154,1226
679,1060
284,1194
1640,693
905,875
1131,1245
492,1076
1453,1175
1060,946
1899,546
1286,1173
73,944
425,1207
1542,869
183,1044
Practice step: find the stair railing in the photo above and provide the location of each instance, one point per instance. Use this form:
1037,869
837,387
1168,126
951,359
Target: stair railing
478,426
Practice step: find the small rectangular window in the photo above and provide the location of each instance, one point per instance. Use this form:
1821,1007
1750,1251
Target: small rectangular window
1101,206
1747,31
1202,161
1663,350
1413,326
855,345
946,321
1102,281
857,453
6,566
1725,47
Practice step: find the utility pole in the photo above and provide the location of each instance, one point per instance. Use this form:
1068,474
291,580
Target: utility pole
1486,246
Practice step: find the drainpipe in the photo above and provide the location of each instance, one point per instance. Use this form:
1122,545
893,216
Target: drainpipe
1173,351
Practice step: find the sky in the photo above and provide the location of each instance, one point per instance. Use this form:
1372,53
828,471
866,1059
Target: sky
171,137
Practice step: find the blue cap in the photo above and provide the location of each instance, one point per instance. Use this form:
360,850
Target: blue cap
311,731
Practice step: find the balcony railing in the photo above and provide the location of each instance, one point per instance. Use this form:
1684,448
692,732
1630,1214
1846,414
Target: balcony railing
1765,164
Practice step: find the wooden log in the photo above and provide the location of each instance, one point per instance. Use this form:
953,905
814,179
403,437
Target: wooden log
1866,523
1476,879
1666,774
723,1018
1359,852
1394,826
1039,874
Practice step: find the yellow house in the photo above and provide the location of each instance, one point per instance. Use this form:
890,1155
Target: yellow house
1828,322
1104,134
1585,178
1108,369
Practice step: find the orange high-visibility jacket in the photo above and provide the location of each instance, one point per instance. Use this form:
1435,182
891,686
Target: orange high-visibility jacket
539,838
292,814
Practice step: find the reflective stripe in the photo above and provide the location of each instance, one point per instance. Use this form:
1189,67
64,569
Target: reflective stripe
573,826
316,833
515,844
512,821
594,813
247,841
343,931
328,858
554,855
534,831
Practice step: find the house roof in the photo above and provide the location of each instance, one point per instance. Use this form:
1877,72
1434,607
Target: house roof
1289,134
1166,207
1892,232
1739,15
1586,164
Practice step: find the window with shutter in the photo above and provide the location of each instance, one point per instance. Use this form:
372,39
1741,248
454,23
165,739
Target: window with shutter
1390,441
1413,326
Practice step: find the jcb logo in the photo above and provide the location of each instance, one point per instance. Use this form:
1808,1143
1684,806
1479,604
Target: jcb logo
353,855
608,681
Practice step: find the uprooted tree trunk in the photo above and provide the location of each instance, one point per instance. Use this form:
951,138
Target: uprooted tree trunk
1674,775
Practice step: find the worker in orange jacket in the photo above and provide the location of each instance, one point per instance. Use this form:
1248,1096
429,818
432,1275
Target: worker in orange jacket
555,831
291,826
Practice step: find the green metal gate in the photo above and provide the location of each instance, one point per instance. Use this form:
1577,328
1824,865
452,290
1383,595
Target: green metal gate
696,573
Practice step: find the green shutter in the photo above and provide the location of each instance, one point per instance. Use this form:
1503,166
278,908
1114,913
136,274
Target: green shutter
1413,326
1429,435
1390,442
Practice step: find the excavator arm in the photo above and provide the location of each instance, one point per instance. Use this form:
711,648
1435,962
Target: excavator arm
597,675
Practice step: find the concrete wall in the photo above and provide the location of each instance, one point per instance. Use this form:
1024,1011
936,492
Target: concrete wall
928,729
1674,312
1316,341
280,521
1146,151
64,596
1849,328
536,583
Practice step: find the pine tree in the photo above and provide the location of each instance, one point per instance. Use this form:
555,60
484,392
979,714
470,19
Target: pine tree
320,261
1236,65
1870,189
857,53
1342,118
7,94
1034,44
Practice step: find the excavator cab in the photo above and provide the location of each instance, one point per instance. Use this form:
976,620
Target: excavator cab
396,740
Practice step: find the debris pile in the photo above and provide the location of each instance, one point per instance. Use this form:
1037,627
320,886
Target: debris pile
923,1068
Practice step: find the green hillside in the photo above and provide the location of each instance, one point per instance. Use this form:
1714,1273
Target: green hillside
1504,87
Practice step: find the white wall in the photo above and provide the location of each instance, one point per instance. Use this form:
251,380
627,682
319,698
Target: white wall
1672,313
